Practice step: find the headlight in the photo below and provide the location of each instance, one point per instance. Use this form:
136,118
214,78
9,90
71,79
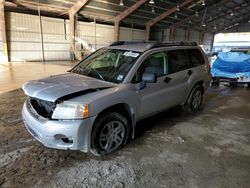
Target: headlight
70,110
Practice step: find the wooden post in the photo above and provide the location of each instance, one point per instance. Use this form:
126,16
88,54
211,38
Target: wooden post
147,32
72,36
5,57
41,33
117,31
172,34
212,43
201,39
187,34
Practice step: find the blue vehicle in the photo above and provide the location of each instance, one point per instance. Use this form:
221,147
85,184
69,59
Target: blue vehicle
231,67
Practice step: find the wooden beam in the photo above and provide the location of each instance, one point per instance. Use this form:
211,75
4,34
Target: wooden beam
123,15
167,13
5,57
130,10
72,12
34,6
77,7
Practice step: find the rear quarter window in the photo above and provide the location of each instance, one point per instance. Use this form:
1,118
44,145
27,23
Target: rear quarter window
196,57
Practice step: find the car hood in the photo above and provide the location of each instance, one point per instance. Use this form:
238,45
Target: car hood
67,85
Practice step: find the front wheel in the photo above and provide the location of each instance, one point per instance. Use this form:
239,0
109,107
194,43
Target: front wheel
195,99
110,132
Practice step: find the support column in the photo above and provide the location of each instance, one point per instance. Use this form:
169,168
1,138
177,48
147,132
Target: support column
212,44
117,31
172,34
187,33
3,36
147,32
72,36
41,33
201,39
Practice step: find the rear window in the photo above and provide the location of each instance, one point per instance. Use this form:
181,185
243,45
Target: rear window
196,57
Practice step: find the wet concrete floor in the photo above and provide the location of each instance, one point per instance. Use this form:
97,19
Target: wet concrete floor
13,75
208,149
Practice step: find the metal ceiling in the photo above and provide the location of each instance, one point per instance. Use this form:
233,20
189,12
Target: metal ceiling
218,15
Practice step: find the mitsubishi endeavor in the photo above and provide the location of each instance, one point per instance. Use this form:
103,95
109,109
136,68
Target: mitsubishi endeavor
95,106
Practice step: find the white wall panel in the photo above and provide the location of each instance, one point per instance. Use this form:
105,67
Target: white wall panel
24,37
207,42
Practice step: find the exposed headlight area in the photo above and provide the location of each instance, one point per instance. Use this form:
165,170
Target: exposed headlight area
70,110
65,110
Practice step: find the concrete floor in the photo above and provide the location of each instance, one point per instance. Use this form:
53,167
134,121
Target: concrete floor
13,75
208,149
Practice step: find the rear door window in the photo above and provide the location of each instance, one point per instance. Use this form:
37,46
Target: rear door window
196,57
178,60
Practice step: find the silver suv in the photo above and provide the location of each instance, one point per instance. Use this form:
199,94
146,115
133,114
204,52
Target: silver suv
95,106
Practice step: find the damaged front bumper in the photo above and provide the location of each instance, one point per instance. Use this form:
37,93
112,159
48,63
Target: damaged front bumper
60,134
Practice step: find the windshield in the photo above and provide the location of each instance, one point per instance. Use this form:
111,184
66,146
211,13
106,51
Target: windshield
110,65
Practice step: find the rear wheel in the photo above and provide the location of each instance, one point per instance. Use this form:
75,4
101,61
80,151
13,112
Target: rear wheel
110,132
194,101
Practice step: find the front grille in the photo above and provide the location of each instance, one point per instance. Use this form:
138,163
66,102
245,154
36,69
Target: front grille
40,107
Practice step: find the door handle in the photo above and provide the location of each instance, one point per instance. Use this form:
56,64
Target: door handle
167,79
190,72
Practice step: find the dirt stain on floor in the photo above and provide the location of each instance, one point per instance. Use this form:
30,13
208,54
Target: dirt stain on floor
172,149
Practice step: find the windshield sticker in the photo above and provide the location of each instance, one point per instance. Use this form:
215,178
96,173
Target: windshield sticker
131,54
120,77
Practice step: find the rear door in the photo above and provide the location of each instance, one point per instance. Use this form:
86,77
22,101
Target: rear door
180,73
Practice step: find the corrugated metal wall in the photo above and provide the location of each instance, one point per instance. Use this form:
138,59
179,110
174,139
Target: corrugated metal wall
179,35
207,44
194,36
24,37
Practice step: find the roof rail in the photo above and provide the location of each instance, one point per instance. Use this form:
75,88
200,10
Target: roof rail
174,43
131,42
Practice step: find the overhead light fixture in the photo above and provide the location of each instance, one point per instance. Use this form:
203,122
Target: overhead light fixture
215,27
190,21
204,25
121,3
175,16
248,21
153,9
231,14
203,3
196,13
178,8
151,2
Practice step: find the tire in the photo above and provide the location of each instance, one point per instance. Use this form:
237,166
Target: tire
194,100
215,81
248,85
110,133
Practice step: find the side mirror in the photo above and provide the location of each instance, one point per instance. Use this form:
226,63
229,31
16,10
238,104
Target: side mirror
149,78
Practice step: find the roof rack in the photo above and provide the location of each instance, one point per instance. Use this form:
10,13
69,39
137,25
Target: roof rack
181,43
132,42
